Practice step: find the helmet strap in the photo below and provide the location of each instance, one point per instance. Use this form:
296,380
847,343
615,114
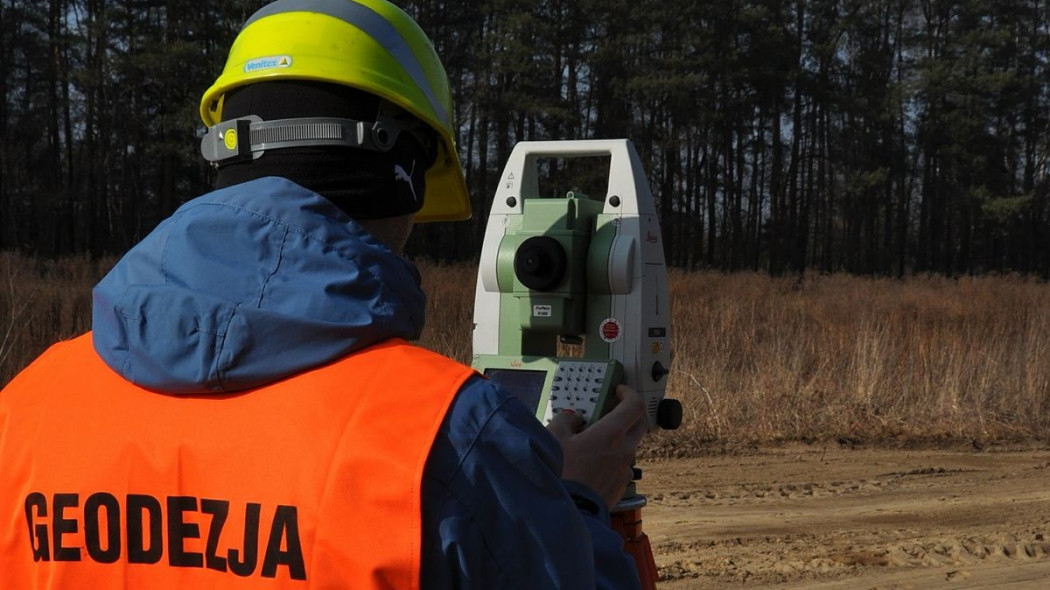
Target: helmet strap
248,138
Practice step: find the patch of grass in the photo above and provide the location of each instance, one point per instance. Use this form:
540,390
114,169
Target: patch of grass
42,302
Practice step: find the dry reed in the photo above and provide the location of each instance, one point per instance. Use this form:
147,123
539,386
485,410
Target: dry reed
846,357
756,359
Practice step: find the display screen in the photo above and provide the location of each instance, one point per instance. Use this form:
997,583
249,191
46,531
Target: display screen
524,385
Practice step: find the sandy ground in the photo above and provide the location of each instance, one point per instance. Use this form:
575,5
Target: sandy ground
836,518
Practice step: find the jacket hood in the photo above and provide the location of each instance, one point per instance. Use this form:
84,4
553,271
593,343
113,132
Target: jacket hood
247,285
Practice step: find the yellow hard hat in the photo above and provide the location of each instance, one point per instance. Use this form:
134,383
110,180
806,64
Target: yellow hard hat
370,45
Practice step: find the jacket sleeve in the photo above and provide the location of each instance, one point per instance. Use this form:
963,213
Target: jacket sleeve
496,513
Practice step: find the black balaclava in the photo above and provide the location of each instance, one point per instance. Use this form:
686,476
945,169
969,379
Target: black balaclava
365,184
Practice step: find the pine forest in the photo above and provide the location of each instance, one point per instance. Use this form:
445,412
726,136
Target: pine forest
874,137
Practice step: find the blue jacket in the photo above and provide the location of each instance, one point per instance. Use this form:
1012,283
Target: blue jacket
263,280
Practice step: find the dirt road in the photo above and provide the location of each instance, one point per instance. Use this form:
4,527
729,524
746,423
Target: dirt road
834,518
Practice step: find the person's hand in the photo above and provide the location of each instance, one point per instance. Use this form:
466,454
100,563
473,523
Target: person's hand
600,456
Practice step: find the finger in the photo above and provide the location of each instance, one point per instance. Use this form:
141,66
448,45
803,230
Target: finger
565,424
628,396
638,430
627,413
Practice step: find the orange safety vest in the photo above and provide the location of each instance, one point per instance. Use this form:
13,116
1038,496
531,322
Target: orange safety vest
310,482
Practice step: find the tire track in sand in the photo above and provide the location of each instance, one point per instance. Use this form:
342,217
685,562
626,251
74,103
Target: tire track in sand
799,517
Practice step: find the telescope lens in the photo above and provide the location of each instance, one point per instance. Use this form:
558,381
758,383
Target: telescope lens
540,263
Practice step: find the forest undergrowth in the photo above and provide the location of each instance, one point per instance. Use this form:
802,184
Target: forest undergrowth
824,358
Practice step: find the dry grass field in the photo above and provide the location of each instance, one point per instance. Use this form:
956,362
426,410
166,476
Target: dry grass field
756,359
760,359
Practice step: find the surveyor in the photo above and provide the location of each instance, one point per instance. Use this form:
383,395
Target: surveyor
247,411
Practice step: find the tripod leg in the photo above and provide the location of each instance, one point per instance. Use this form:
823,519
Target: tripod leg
636,543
